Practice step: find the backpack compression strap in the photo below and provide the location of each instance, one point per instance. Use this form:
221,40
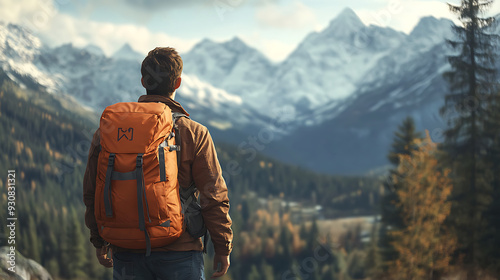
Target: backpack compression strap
137,175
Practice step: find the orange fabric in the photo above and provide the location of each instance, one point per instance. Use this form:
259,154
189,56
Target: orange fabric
199,164
129,129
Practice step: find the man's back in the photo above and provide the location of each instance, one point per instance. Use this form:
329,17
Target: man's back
198,165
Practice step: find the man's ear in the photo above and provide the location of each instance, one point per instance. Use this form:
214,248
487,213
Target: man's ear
142,82
178,83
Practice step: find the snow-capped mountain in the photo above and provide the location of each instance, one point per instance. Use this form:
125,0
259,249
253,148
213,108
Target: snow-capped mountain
231,65
358,138
325,68
97,81
335,101
93,49
18,49
430,32
406,82
349,87
127,53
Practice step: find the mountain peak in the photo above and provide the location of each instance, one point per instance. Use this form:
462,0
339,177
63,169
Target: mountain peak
126,52
93,49
345,22
236,41
347,13
348,16
205,43
432,30
236,44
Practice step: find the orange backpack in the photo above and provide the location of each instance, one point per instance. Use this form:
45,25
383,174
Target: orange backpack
137,201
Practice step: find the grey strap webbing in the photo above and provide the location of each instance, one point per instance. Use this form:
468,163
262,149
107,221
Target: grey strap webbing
161,159
107,186
123,176
140,201
112,175
176,147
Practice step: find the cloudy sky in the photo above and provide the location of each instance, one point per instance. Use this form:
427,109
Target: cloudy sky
273,26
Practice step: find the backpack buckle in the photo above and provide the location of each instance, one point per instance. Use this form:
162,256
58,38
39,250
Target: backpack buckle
174,148
111,160
139,161
171,135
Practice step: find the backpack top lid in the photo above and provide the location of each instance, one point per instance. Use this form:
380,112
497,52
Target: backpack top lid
135,127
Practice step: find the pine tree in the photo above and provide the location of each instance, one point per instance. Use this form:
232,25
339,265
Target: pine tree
424,246
472,83
404,143
404,140
490,242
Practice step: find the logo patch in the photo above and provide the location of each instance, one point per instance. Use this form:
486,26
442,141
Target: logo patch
127,133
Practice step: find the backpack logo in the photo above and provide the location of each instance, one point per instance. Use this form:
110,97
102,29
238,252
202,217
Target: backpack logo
126,133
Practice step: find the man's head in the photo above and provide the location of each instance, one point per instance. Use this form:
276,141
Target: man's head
161,71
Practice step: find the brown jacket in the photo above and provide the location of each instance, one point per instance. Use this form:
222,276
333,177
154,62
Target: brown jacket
199,164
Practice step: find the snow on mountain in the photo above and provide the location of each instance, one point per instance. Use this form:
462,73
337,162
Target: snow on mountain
428,34
431,31
328,65
407,81
127,53
231,65
324,69
345,24
349,85
93,49
18,48
97,81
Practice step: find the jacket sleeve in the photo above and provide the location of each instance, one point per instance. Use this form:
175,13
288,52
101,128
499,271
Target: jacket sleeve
207,176
89,183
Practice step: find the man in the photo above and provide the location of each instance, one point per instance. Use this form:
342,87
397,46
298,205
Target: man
161,77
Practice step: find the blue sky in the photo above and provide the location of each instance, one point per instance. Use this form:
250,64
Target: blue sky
275,27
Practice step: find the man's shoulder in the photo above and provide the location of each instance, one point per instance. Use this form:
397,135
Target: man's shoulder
191,125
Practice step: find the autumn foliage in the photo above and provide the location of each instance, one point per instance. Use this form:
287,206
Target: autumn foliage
424,245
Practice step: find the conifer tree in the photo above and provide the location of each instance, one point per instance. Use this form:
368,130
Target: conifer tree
490,242
472,84
404,143
404,140
424,246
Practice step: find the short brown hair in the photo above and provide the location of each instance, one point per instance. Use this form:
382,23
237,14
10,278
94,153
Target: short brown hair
160,69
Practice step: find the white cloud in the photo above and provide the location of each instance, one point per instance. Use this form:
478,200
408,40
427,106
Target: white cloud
296,15
14,11
109,36
56,28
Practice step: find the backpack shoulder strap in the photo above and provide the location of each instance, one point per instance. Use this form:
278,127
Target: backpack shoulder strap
178,115
177,135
